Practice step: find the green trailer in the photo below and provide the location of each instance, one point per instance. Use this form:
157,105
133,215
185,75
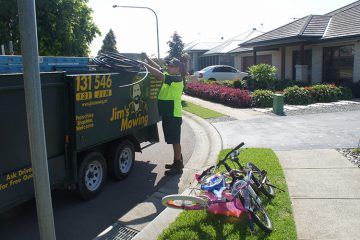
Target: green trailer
95,121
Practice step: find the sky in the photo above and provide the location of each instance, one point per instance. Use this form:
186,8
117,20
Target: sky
135,29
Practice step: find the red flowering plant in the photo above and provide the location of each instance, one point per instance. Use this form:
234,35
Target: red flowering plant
221,94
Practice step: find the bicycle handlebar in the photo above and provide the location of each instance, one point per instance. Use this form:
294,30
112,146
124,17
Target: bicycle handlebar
227,155
221,162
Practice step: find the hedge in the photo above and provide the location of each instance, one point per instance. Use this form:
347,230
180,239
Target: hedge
221,94
262,98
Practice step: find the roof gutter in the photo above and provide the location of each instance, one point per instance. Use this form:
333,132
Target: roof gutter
281,41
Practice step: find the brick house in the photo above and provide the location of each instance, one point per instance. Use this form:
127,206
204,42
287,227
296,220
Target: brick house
315,48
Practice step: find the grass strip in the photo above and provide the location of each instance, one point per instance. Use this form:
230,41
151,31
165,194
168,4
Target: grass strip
200,111
193,225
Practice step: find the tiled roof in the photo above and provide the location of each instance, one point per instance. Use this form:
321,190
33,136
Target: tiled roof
343,22
233,43
201,46
289,30
316,26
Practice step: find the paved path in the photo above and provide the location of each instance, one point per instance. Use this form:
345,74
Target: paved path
310,131
238,113
325,193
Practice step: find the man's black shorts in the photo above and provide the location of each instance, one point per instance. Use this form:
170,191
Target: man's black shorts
172,129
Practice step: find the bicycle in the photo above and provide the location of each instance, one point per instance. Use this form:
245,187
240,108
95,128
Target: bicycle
261,183
222,198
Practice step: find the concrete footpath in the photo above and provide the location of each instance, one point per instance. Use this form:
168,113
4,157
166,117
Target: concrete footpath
324,188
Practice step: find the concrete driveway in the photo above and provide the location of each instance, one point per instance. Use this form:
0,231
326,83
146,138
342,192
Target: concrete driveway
311,131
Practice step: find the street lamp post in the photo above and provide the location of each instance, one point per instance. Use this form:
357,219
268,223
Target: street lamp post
157,24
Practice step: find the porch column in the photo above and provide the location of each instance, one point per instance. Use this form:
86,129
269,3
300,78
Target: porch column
282,63
317,64
254,56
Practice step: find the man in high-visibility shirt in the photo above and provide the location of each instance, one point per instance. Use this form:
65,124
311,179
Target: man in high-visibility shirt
170,109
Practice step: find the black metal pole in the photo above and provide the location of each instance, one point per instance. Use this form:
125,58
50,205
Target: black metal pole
35,118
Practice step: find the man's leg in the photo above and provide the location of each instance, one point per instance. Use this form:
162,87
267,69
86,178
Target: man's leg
177,152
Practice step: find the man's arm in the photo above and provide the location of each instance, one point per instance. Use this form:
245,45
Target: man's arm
150,61
155,72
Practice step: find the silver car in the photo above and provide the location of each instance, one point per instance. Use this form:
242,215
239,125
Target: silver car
220,73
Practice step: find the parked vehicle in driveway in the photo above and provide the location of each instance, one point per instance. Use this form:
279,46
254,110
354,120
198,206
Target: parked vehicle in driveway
220,73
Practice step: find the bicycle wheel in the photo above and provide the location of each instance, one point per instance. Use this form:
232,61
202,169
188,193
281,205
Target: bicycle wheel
185,202
266,189
259,215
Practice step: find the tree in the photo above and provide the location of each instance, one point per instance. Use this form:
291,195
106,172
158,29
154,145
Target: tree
176,46
65,27
109,43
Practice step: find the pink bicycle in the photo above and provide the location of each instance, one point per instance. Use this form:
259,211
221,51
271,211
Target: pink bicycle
228,194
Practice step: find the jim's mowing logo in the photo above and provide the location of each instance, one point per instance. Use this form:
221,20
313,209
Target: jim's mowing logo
133,115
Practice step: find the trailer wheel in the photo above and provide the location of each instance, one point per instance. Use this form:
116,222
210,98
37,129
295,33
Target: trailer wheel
121,160
92,175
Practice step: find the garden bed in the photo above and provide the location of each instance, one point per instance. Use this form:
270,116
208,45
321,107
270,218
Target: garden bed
352,154
240,98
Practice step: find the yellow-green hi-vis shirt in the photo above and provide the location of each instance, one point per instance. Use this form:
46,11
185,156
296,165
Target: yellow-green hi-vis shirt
169,98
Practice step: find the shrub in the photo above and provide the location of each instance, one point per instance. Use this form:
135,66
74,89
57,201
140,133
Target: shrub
280,85
221,94
207,81
346,93
242,84
262,76
354,86
324,93
297,96
262,98
227,83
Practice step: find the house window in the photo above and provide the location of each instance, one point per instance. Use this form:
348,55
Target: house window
338,64
297,61
249,61
206,61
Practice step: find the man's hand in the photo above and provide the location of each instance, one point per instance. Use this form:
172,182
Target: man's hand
144,56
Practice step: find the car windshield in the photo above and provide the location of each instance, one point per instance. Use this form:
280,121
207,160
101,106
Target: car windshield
205,69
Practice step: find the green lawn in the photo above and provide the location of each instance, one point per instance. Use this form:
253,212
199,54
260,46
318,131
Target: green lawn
356,150
202,226
200,111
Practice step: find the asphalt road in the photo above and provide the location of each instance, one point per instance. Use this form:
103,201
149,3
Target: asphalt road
76,219
308,131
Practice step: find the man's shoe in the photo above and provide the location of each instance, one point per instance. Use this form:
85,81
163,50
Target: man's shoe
174,171
175,163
